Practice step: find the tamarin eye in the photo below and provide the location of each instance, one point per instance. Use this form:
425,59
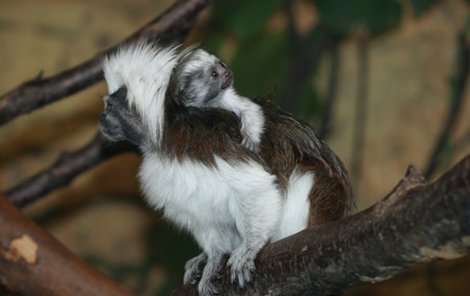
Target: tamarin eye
214,74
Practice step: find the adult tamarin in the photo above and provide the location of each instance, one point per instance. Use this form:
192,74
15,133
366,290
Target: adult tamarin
197,171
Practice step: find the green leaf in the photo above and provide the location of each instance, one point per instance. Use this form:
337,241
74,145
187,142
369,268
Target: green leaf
308,103
244,17
214,41
172,246
344,16
419,6
260,65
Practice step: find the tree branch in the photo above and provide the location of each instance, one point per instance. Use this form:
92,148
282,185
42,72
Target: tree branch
305,55
331,90
172,25
361,108
66,168
34,263
417,222
457,99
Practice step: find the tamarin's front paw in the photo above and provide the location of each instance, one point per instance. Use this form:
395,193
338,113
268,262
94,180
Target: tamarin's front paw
208,288
242,266
250,143
193,269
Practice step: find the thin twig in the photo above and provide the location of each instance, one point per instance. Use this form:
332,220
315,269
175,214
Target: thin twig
67,167
361,109
288,101
455,104
331,90
301,66
304,57
292,31
170,26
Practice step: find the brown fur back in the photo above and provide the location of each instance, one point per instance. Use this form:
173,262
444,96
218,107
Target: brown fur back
287,144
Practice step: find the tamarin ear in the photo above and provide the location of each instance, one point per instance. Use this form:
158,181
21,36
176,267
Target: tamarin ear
117,99
120,95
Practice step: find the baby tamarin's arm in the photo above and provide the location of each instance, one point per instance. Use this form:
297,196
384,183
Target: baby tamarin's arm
203,81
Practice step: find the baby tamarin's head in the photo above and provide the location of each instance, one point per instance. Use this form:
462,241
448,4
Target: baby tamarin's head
201,77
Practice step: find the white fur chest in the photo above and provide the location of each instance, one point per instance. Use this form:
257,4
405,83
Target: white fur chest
209,201
186,191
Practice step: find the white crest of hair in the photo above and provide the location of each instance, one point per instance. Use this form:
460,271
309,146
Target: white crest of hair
145,70
294,216
199,59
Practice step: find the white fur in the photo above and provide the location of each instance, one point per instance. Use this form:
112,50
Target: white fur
221,206
296,206
145,71
232,208
251,115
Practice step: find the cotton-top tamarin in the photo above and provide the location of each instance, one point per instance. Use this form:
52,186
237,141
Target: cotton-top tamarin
200,173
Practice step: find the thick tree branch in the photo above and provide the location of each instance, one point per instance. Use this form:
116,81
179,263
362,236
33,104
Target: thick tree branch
64,170
416,222
172,25
34,263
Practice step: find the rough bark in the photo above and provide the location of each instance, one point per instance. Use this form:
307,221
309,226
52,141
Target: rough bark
417,222
170,26
34,263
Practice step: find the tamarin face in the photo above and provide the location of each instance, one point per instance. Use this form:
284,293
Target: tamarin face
202,77
118,122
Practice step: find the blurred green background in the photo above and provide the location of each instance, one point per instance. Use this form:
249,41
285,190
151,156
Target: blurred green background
374,77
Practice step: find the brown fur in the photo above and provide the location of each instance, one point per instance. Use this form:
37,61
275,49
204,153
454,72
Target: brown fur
200,134
287,144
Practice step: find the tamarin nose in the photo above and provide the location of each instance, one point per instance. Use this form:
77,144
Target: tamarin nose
226,79
222,72
225,74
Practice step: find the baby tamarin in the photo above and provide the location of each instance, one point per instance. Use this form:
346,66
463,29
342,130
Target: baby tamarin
196,170
204,81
